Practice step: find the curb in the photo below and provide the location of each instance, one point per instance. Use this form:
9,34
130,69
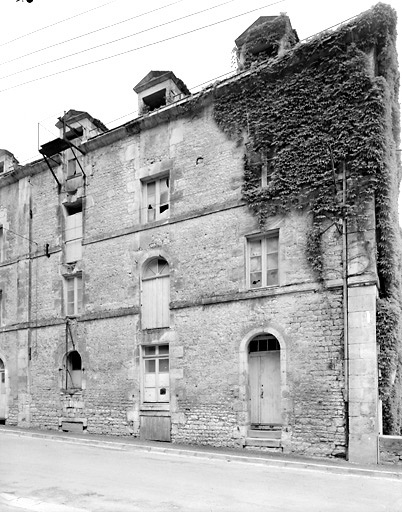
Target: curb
369,471
35,505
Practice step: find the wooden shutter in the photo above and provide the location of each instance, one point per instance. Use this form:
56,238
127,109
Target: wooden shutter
155,302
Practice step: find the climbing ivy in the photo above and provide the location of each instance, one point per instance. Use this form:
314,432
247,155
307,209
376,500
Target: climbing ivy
263,40
321,107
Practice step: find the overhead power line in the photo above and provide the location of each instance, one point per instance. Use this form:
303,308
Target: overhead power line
119,39
57,22
143,46
89,33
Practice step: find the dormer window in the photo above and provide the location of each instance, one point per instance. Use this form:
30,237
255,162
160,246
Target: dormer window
1,167
157,89
155,100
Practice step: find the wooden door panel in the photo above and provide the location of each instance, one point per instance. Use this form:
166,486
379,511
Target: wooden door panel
254,380
271,385
265,388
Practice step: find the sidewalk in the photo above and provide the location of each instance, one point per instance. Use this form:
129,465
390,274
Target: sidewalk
209,452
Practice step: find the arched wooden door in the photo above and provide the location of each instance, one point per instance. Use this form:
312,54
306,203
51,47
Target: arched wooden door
3,393
265,381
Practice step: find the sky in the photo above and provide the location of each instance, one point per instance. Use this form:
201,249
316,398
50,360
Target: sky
131,39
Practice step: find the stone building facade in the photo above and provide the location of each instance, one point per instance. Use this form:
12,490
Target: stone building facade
141,296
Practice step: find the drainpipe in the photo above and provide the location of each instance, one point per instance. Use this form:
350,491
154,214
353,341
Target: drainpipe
345,301
29,315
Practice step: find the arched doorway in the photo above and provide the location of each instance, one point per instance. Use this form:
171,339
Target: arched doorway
3,393
264,354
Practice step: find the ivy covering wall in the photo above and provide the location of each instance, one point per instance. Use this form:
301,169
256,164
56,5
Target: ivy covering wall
326,104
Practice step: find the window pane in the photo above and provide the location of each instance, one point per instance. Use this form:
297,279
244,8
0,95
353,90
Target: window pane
272,244
272,261
149,351
163,365
273,344
151,269
150,214
255,264
253,346
151,193
70,308
272,277
70,296
255,248
150,366
164,349
163,267
255,280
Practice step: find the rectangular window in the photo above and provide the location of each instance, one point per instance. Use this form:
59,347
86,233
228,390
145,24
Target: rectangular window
156,199
73,232
267,167
73,167
73,295
263,262
156,373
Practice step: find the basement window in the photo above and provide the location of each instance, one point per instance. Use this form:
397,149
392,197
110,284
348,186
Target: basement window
155,100
156,199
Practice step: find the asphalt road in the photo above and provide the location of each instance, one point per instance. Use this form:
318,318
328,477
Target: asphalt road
55,476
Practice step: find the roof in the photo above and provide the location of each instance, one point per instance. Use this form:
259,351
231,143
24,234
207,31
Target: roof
73,116
262,19
157,77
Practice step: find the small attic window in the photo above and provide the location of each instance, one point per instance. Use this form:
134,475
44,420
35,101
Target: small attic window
74,134
155,100
1,167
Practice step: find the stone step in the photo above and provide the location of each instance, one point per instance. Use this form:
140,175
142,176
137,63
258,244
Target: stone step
266,434
261,442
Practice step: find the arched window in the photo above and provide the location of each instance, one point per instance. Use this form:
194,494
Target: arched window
155,294
73,370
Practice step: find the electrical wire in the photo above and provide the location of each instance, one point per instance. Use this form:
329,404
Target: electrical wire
142,47
211,80
57,23
117,40
21,236
89,33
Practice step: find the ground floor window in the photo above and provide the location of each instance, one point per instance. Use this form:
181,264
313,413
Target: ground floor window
155,360
73,371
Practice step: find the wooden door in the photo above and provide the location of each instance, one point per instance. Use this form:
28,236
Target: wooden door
3,394
265,388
